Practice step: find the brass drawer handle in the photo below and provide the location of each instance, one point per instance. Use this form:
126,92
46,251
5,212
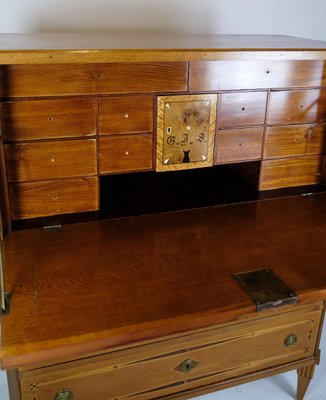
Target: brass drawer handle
291,340
64,395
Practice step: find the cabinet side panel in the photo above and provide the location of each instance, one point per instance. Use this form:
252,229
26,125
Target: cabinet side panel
4,193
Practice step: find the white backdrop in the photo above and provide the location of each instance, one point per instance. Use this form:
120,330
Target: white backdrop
305,18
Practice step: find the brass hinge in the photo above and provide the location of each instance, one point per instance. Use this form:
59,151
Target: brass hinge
53,226
308,194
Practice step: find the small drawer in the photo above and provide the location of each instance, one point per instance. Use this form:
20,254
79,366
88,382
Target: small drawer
255,74
290,172
242,109
128,114
294,140
92,79
180,364
39,199
47,160
298,106
126,153
42,119
239,145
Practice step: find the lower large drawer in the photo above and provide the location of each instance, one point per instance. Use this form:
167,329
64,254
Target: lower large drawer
180,363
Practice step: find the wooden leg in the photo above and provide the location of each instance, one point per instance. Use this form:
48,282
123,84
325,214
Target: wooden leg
13,385
305,375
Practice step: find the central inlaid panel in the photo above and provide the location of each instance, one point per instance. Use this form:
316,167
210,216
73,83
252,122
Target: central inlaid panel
185,131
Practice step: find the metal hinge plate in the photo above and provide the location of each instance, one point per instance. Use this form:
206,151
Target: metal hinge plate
265,288
54,226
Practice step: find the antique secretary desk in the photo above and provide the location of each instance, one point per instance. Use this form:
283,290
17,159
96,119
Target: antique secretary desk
163,219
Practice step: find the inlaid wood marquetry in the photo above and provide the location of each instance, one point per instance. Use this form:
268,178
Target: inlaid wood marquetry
185,131
185,362
146,307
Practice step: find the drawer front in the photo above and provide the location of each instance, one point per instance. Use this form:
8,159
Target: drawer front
42,119
177,365
39,199
239,144
127,114
234,75
126,153
298,171
55,159
297,106
241,109
294,140
79,79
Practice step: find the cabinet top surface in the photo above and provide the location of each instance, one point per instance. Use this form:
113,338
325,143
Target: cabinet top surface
14,48
105,41
108,283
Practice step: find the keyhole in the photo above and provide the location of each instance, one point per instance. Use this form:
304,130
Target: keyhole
188,367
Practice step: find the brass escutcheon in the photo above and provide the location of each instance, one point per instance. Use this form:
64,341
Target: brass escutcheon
63,395
187,365
291,340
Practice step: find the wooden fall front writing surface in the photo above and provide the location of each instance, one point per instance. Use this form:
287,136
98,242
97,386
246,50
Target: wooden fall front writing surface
111,283
105,284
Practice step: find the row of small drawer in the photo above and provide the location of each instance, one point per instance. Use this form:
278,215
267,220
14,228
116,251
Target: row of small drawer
80,194
72,167
69,158
34,161
246,144
113,78
77,117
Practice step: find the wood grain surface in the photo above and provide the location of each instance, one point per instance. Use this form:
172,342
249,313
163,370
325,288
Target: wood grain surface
126,153
100,47
125,114
301,106
242,109
42,119
4,192
155,275
79,79
253,74
219,354
287,172
239,144
186,127
44,198
54,159
294,140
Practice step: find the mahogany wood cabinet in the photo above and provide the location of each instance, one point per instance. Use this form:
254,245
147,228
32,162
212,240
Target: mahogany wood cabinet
163,214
